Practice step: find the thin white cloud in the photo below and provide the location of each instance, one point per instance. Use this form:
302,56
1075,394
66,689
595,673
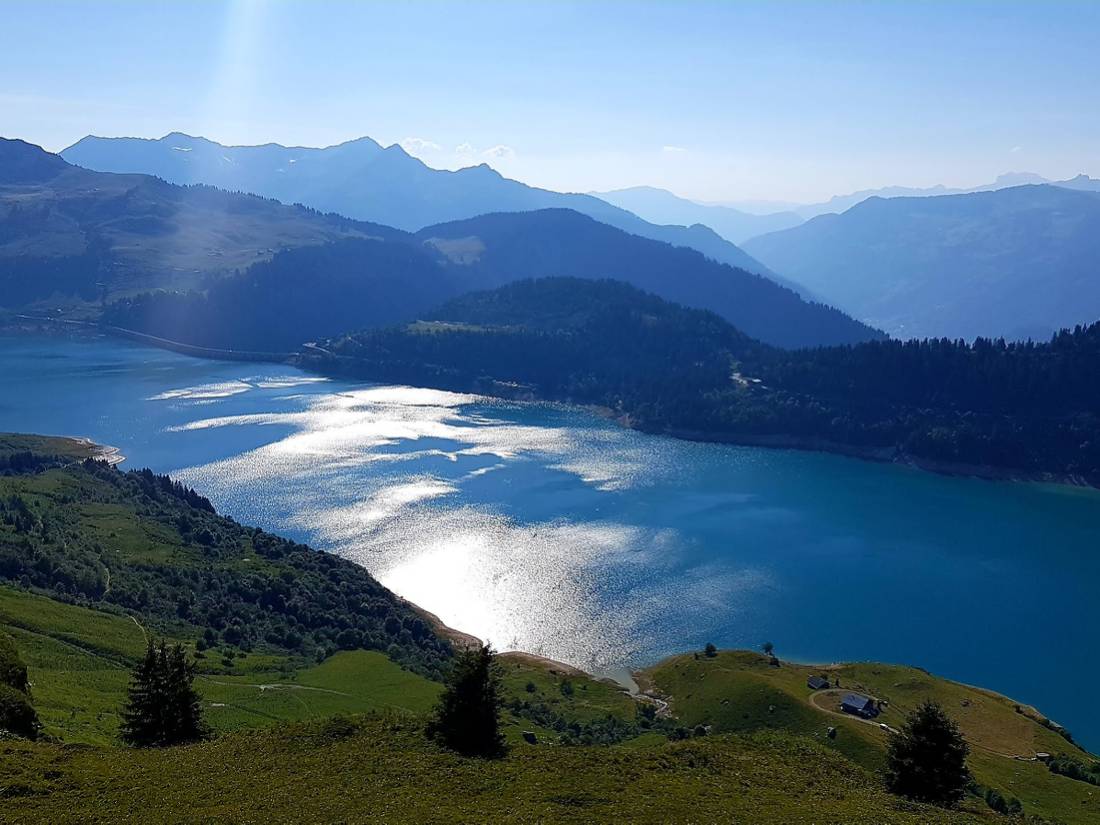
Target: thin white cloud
464,149
673,149
1016,149
499,152
412,145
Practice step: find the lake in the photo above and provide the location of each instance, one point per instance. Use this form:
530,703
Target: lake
549,529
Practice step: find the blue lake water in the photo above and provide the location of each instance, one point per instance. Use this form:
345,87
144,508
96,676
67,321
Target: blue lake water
551,530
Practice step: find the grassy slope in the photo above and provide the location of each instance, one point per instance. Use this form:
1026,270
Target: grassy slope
74,448
740,691
380,769
80,661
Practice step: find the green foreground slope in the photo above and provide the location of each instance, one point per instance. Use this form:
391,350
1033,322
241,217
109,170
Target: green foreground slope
740,691
381,769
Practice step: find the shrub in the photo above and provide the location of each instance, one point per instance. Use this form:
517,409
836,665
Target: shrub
16,713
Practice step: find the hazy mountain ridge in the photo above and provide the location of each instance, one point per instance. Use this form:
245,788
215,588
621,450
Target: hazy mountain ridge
68,234
1018,262
504,247
841,203
662,206
364,181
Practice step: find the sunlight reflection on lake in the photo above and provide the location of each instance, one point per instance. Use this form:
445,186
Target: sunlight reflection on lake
552,530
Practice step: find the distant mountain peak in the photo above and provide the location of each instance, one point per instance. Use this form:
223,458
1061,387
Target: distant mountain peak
1019,179
22,162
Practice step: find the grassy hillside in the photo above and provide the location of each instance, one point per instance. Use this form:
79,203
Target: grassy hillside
79,661
382,769
739,691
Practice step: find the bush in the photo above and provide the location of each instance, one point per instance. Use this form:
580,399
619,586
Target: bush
13,672
16,713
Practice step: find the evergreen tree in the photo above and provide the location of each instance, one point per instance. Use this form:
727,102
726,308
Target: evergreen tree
926,761
468,717
142,718
185,720
163,707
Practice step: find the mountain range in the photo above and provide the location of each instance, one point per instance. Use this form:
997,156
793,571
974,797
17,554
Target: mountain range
70,234
317,291
242,271
366,181
738,221
1018,262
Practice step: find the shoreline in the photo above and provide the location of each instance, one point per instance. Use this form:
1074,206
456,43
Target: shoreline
100,452
882,455
313,362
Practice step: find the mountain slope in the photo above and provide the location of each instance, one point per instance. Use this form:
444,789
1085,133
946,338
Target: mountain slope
1015,262
298,296
364,181
69,235
314,292
496,249
841,203
661,206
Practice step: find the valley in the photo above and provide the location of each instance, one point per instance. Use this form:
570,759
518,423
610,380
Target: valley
645,413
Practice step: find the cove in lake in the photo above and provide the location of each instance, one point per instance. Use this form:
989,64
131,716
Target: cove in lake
551,530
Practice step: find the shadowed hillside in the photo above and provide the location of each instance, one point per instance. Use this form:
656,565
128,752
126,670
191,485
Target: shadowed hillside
71,236
1017,263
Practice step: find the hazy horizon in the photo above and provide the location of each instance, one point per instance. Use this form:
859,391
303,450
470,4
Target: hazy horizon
790,102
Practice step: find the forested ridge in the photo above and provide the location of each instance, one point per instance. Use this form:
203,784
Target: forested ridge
141,543
1013,407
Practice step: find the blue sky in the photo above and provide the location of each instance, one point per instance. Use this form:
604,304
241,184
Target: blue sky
714,100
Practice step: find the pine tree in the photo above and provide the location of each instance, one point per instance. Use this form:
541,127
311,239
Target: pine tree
163,707
926,761
468,717
184,722
142,717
